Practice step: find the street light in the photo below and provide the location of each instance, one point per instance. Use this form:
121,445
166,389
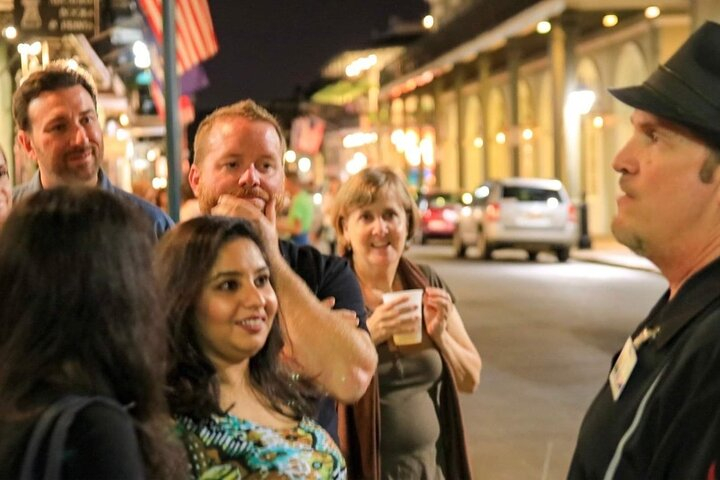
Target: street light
610,20
652,12
304,164
158,183
29,53
360,65
290,156
359,139
356,163
10,32
543,27
428,22
581,101
29,48
141,55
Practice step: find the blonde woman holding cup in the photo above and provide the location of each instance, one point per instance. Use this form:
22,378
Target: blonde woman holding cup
421,432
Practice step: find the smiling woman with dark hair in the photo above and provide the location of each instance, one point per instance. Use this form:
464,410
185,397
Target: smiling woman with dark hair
240,411
78,318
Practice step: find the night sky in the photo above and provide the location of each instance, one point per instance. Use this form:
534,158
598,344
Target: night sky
268,47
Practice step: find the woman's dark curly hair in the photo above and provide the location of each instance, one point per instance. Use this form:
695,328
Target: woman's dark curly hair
184,259
79,313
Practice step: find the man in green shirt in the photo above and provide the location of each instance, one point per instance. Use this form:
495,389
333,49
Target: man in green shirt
300,216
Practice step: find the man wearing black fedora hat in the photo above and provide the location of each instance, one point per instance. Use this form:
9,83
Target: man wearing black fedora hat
653,416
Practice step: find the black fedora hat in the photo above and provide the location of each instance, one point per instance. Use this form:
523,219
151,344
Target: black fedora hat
686,89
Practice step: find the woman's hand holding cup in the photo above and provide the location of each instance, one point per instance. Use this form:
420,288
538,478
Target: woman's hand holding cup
401,313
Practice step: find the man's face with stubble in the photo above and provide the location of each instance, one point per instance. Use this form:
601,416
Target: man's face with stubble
243,158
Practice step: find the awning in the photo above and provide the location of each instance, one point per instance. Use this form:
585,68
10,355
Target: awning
341,92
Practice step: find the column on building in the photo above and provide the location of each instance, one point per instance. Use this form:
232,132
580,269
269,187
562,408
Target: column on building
545,144
513,50
425,118
591,147
447,166
397,127
483,63
496,144
461,167
565,133
471,144
440,135
384,129
529,164
413,158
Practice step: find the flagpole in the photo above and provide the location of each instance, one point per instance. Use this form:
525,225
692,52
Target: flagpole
172,117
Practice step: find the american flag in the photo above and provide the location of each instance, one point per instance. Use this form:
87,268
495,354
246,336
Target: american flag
190,82
194,33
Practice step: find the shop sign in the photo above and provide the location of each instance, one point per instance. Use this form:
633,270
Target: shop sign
55,18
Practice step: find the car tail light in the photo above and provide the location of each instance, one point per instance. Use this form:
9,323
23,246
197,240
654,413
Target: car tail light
492,212
572,213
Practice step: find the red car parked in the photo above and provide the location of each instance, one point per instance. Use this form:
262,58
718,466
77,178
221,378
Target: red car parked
438,215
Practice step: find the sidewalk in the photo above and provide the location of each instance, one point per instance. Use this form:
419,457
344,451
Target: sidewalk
608,251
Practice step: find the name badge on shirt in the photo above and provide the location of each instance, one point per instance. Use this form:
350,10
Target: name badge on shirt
622,369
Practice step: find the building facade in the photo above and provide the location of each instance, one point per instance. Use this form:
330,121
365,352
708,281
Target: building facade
519,88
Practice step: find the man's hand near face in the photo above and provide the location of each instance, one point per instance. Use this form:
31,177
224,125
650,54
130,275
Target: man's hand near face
263,222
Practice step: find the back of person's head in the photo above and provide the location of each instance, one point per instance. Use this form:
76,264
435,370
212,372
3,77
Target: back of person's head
366,187
79,308
247,109
184,260
56,76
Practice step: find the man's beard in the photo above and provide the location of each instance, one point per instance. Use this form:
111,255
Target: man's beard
79,173
207,199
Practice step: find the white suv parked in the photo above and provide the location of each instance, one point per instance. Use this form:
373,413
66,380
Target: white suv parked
534,214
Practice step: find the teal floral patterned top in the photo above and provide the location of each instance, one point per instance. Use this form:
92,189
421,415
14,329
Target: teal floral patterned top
228,448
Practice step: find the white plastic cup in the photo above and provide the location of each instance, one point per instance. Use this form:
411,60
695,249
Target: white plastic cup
414,298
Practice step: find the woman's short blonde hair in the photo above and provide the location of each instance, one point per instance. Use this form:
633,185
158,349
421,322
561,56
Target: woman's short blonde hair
363,189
